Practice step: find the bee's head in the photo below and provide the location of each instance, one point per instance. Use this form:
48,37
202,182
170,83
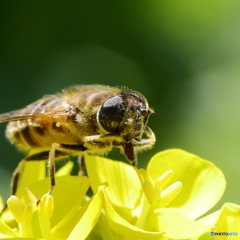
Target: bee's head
126,114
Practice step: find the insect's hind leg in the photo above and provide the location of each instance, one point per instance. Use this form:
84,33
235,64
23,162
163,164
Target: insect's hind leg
82,166
19,170
16,176
57,150
14,181
41,156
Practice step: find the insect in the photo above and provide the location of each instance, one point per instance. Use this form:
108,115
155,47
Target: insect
83,118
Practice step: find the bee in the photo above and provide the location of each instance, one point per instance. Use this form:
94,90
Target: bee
83,118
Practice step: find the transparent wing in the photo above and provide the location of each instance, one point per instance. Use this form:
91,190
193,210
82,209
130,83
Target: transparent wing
15,116
45,108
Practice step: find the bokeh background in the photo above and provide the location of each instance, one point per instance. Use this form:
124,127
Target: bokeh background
184,56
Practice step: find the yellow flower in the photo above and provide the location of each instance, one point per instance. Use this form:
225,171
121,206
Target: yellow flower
228,222
164,201
177,188
59,216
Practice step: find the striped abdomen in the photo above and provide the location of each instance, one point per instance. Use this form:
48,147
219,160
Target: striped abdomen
42,131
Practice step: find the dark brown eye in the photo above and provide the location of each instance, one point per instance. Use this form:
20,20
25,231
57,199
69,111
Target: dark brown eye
144,112
111,113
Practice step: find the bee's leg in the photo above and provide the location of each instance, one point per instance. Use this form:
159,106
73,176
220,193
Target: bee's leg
146,143
130,153
128,148
57,151
15,179
16,175
60,149
14,182
51,168
75,149
41,156
81,164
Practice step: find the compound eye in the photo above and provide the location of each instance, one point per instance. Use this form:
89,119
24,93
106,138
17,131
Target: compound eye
111,113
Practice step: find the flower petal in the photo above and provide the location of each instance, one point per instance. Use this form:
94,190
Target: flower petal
106,231
124,188
66,169
203,183
210,218
6,231
3,237
123,227
229,220
69,190
88,216
32,172
177,226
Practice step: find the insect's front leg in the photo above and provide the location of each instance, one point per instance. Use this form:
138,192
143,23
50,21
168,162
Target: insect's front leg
146,143
100,141
100,144
104,143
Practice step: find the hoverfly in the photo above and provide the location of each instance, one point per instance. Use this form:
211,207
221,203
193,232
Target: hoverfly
83,118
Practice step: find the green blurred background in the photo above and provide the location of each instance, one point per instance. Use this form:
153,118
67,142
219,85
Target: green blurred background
182,55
